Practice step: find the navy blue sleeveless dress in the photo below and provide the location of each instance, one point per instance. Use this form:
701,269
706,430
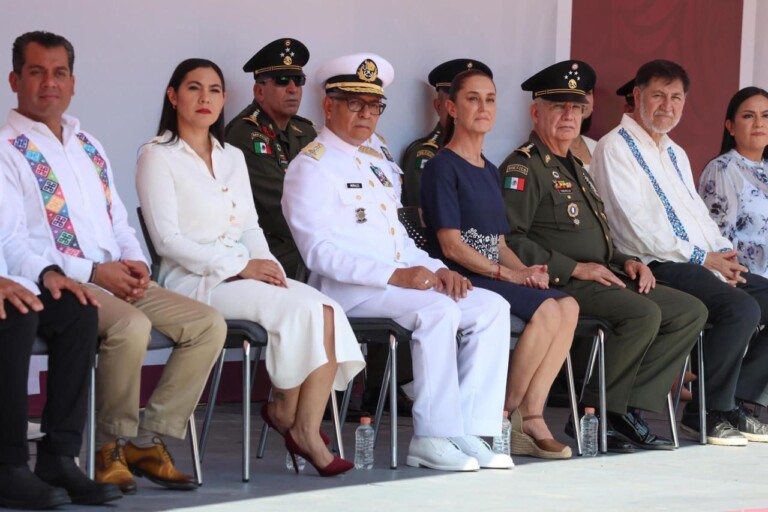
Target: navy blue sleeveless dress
456,194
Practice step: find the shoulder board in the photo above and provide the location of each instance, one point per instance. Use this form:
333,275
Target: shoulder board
578,160
253,119
314,149
383,141
302,120
526,149
370,151
432,141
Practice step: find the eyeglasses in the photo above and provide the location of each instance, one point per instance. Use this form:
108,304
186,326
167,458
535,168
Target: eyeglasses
375,108
560,108
283,81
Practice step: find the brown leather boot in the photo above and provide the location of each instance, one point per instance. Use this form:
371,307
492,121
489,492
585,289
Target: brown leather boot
156,464
112,468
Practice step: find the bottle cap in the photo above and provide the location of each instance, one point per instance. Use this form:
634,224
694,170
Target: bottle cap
589,410
365,420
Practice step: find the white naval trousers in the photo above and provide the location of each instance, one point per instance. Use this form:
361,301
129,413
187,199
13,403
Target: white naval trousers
459,388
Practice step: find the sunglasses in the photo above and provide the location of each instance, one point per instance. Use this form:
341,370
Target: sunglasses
282,81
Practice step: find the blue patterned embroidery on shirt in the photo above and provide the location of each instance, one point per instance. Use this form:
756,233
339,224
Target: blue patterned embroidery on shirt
487,245
673,157
677,226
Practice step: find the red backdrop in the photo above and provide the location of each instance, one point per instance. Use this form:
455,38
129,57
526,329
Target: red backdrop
616,38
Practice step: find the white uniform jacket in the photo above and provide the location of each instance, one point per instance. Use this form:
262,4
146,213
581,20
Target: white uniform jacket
341,204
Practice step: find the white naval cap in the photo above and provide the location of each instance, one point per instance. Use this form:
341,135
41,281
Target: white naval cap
361,73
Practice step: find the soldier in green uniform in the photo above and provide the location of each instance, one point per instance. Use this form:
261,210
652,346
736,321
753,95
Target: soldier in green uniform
557,218
626,92
421,150
270,134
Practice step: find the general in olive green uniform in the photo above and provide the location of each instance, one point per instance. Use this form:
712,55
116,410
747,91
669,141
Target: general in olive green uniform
268,149
557,218
421,150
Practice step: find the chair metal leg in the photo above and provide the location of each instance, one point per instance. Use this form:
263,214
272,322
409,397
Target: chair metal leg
91,451
574,405
680,383
590,366
336,424
672,419
393,401
192,434
603,399
702,398
344,407
264,432
246,410
380,403
212,395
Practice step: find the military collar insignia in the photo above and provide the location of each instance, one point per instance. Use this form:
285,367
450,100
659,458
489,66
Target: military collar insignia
296,129
370,151
526,149
314,149
268,131
547,159
367,71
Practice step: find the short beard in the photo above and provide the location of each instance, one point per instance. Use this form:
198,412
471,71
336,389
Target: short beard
648,120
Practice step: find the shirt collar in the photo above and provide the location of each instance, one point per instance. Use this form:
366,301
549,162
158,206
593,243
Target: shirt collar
336,142
642,136
179,144
23,124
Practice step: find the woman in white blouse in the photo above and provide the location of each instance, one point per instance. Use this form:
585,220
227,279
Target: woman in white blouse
196,200
735,185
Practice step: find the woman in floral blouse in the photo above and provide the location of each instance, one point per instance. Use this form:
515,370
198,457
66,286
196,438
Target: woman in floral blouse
735,185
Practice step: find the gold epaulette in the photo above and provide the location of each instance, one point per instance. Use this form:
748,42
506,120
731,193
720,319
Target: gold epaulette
314,149
383,141
526,149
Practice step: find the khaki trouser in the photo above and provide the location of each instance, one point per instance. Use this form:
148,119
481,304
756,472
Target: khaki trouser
199,333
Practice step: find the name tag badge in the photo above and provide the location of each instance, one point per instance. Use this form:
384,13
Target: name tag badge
354,185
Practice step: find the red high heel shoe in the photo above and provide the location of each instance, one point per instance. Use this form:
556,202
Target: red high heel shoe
336,467
268,421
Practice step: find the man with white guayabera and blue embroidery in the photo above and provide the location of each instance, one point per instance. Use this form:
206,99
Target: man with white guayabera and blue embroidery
655,214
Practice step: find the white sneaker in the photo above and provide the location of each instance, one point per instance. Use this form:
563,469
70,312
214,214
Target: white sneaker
33,431
479,449
439,453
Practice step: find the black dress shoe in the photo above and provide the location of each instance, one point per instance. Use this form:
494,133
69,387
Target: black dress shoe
634,430
61,471
20,488
614,444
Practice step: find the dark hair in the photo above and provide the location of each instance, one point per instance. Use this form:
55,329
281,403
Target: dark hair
44,39
453,92
168,118
665,69
729,141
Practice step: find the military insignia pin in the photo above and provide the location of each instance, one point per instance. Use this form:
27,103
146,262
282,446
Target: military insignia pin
367,71
556,175
573,210
547,158
360,215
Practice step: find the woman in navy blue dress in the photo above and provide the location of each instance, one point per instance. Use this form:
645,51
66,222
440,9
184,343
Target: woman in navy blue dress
466,222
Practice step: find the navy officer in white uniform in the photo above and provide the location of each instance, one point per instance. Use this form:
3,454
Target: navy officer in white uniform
340,199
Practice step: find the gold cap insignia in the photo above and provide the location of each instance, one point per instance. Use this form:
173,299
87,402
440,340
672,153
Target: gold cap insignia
367,71
572,83
288,61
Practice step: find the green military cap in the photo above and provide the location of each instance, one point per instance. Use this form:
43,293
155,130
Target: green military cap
441,77
282,57
568,80
626,90
361,73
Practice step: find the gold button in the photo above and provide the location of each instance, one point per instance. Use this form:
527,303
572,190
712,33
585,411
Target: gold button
357,160
358,197
383,207
568,197
606,238
583,190
371,182
392,231
397,256
557,280
232,218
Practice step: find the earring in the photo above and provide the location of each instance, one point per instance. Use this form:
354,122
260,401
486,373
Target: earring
174,106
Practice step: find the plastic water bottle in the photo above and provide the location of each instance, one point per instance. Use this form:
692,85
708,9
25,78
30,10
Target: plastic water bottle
364,444
589,432
289,462
501,442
